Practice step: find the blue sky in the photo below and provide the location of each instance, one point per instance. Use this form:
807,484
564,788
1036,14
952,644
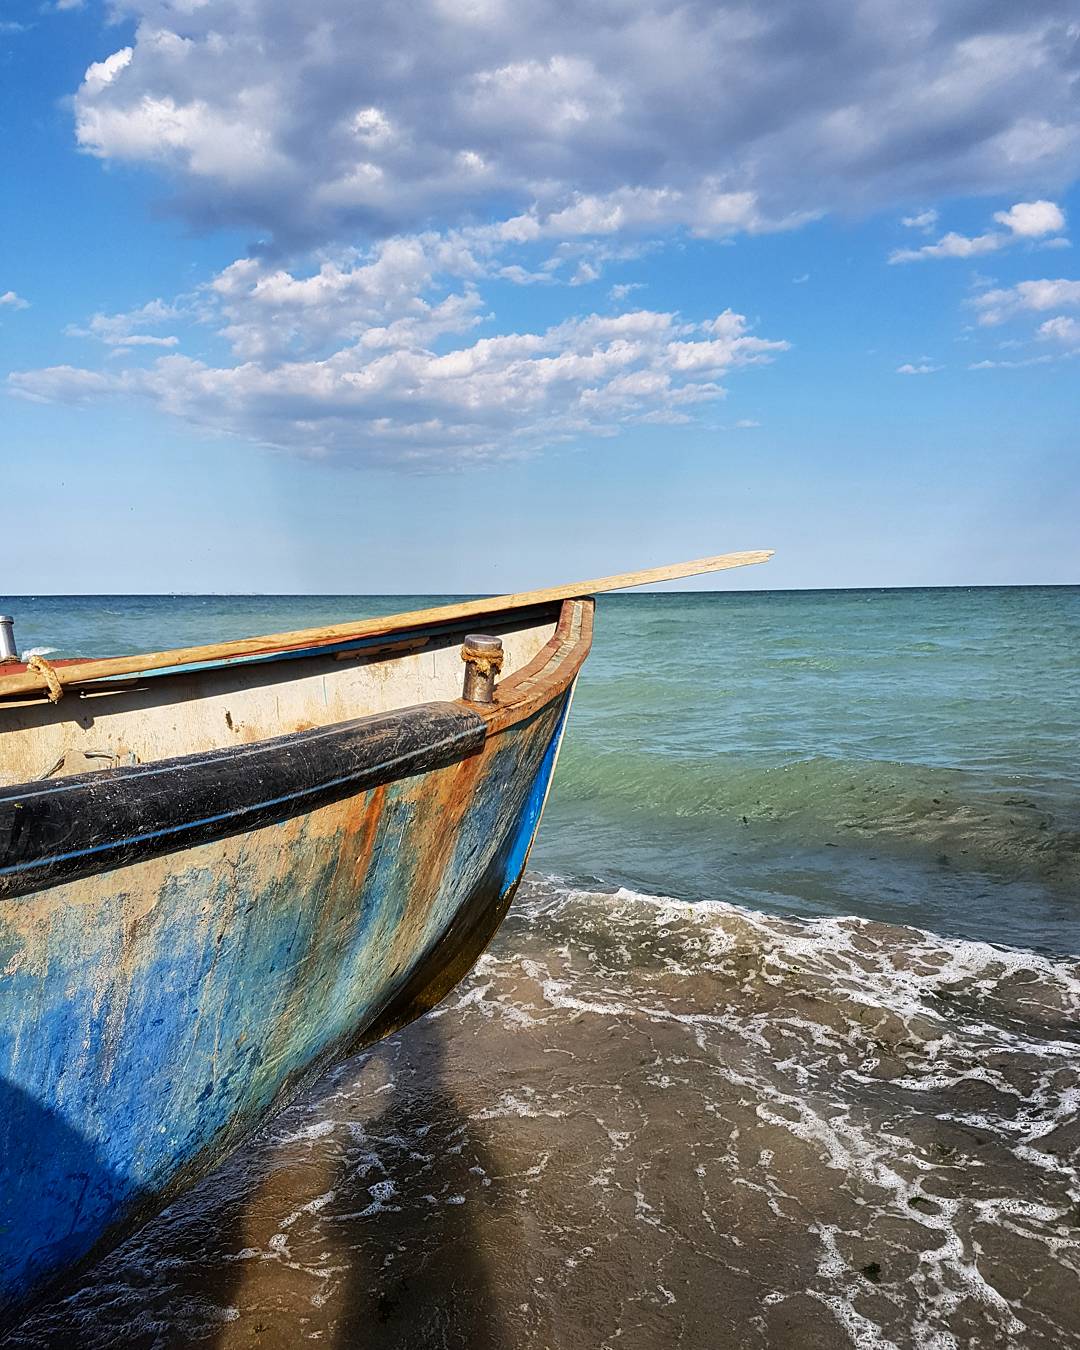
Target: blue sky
468,298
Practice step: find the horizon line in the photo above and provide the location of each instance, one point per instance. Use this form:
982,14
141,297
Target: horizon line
468,595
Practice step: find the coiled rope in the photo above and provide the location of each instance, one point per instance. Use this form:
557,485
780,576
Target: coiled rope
487,660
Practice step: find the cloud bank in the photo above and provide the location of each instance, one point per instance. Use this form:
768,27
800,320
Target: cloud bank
371,359
306,122
395,165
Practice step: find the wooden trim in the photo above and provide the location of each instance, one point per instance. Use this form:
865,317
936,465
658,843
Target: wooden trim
22,681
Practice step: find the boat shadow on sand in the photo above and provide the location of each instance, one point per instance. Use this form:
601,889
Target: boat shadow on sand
343,1220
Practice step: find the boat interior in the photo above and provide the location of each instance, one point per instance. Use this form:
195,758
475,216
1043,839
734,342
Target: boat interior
194,708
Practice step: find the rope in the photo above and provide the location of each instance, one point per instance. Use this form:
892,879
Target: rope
487,663
41,667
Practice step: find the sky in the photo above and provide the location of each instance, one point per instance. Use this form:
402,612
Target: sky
464,295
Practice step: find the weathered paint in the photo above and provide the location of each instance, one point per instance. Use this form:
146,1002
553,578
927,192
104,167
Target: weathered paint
152,1014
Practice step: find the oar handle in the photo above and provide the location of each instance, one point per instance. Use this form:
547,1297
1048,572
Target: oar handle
80,672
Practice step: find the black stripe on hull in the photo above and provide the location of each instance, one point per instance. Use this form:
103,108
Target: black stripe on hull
55,832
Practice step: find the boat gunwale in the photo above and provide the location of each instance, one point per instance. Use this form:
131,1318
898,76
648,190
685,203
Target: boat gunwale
371,647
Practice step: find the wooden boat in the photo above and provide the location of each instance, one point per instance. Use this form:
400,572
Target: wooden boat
223,867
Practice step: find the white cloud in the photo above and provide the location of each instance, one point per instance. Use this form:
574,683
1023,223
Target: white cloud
1025,220
996,305
521,276
1062,328
923,368
303,124
123,330
585,273
102,73
1032,220
999,304
67,384
950,245
10,300
342,362
922,220
1021,364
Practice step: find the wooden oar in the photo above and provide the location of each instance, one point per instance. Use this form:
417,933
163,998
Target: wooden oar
80,672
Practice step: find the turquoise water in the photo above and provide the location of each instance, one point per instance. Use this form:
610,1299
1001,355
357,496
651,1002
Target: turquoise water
907,755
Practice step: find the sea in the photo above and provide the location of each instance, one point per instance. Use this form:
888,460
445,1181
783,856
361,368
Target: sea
779,1045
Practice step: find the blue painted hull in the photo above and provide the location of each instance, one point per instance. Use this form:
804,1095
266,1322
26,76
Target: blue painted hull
153,1011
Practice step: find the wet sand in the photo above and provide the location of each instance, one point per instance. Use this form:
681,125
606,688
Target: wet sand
645,1124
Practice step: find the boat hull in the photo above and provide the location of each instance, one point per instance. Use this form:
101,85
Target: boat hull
161,993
